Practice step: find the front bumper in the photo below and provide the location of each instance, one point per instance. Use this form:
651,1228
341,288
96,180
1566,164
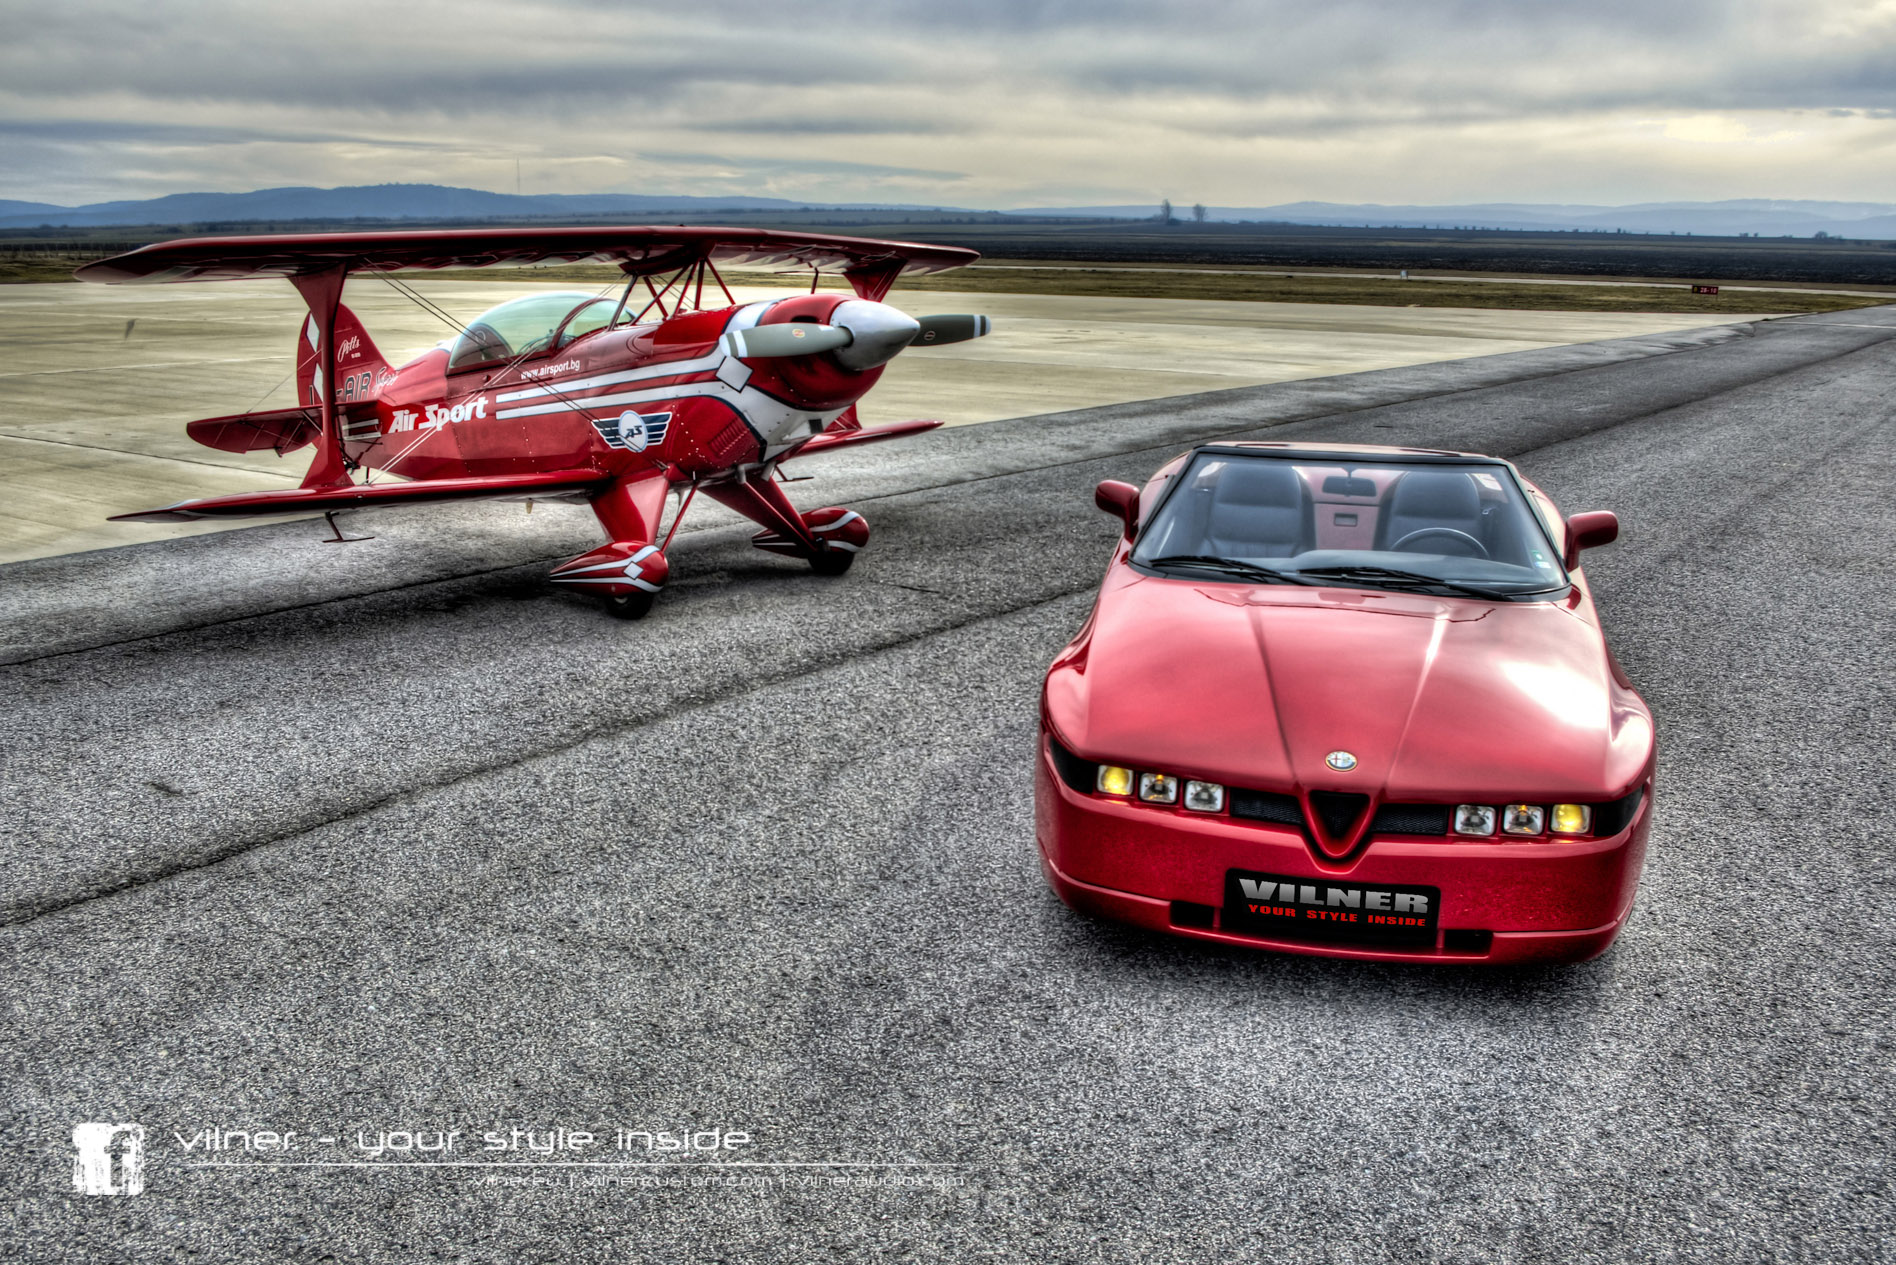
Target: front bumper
1501,902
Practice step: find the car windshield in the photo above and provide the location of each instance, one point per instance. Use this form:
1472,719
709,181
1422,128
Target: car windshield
1450,527
518,327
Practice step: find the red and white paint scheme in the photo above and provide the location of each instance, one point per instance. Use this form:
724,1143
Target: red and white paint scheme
617,399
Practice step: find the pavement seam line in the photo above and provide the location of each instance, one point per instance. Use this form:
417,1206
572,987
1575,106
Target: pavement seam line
31,912
143,456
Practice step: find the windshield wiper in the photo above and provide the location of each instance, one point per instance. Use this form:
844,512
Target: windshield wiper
1231,566
1392,578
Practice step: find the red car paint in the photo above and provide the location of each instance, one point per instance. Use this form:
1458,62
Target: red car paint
1442,700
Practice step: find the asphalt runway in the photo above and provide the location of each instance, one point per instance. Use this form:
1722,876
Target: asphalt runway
393,837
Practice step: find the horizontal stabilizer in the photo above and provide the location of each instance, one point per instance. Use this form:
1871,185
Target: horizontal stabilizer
283,430
830,440
369,496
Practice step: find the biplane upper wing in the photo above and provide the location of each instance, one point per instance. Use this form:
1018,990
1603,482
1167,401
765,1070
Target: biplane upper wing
323,500
870,264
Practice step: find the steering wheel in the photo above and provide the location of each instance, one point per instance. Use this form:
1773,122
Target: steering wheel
1481,550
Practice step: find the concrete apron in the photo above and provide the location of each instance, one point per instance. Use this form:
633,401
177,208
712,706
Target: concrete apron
97,382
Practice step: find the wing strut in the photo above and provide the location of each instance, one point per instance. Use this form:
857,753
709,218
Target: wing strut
762,501
323,292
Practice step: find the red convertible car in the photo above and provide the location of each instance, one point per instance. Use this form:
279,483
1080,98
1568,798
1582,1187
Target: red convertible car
1350,701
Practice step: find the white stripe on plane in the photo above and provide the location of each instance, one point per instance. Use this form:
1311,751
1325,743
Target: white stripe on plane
744,319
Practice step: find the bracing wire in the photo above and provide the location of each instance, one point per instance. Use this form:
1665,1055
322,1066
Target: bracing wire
419,300
267,394
434,309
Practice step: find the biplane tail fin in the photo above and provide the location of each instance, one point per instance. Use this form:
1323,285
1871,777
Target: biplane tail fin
360,368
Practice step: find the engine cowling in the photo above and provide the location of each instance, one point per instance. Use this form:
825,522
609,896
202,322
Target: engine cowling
825,380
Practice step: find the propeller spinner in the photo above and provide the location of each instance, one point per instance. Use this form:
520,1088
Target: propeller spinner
863,334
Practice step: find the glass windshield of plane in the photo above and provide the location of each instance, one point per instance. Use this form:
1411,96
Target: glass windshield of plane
1441,527
587,319
518,327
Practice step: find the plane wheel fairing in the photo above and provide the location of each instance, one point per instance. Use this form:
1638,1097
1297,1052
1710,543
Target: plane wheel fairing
627,573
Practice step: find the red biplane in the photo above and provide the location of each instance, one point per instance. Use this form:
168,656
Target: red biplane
614,401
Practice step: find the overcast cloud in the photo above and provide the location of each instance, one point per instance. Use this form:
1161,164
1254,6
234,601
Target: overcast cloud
987,103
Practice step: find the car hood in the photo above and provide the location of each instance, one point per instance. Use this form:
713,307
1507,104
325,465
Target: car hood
1256,685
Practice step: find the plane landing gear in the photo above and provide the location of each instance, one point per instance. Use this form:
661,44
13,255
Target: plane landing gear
630,605
831,561
626,574
831,538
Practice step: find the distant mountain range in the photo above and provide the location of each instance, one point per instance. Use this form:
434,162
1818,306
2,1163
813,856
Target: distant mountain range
386,202
1760,217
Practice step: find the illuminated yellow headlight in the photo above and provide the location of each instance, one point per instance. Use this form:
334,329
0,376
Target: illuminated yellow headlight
1114,780
1572,819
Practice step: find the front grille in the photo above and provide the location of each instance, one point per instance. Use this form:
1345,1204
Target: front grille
1339,811
1411,819
1265,806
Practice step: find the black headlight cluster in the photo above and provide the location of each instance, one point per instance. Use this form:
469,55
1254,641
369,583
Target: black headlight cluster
1552,822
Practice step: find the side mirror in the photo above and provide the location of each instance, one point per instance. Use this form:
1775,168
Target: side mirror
1589,531
1121,500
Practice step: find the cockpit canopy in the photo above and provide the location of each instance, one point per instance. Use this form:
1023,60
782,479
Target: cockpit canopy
526,326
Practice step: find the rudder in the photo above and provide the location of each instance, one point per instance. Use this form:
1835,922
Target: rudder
360,368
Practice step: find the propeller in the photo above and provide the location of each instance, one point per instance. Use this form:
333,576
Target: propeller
866,334
799,339
940,330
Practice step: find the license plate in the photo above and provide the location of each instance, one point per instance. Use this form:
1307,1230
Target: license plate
1286,907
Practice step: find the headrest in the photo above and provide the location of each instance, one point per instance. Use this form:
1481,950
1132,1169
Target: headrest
1259,483
1432,494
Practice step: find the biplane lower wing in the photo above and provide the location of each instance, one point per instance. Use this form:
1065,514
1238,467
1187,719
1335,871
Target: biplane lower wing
830,440
284,501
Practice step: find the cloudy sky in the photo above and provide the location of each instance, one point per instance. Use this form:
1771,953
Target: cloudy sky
991,103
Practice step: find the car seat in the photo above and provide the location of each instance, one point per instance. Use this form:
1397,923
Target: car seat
1260,509
1425,499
